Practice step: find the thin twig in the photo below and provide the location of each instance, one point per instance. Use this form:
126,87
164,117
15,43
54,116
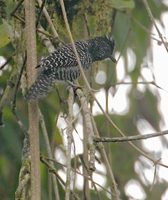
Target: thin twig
154,178
140,82
43,158
19,18
24,182
47,16
73,45
6,62
20,123
23,188
44,32
113,184
108,148
17,84
54,171
1,118
89,128
130,138
88,144
49,152
17,7
146,30
6,96
154,23
45,40
86,23
69,138
51,168
122,134
40,13
37,29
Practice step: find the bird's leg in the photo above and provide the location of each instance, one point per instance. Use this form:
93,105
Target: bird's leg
74,86
113,59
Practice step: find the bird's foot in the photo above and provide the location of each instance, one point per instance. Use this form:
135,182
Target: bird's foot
74,86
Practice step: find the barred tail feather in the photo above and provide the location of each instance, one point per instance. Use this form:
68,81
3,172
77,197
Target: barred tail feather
40,88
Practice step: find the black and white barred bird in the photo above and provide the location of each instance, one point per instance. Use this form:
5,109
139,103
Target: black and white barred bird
62,63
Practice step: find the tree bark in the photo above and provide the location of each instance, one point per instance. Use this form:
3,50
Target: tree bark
30,34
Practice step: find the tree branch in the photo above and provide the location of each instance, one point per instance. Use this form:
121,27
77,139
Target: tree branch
69,138
32,106
89,128
129,138
49,152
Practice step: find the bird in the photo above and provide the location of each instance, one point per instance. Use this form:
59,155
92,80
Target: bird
62,65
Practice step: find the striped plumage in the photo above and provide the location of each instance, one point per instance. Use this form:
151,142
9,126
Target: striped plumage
62,63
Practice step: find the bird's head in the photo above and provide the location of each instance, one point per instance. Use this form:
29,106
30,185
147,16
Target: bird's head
101,48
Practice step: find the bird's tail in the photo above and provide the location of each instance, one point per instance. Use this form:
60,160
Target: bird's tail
40,88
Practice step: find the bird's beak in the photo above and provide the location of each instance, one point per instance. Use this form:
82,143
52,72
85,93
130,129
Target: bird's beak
113,59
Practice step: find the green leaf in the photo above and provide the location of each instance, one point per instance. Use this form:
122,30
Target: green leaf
122,4
4,36
57,137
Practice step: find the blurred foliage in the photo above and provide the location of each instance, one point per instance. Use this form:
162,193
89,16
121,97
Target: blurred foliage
124,19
